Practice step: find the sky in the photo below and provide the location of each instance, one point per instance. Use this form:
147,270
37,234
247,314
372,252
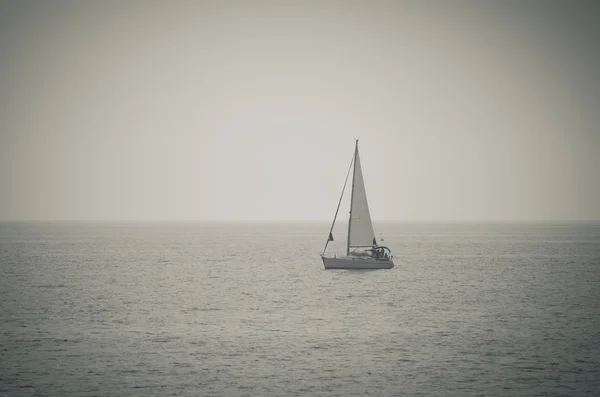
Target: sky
249,110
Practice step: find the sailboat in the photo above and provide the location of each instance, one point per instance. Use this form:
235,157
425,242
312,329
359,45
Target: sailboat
362,250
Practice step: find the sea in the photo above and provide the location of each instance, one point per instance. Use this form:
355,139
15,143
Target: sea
246,309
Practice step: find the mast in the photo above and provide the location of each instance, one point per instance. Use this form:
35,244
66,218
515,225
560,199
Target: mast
351,198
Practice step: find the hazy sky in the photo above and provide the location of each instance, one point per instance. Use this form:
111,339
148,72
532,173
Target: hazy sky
227,110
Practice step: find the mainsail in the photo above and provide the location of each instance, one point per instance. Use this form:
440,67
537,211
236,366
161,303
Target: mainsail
360,228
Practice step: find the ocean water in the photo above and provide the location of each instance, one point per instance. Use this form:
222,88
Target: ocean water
192,309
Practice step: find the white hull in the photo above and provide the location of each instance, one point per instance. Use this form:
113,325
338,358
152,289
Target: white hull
349,262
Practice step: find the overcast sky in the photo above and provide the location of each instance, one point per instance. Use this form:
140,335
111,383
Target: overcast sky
248,110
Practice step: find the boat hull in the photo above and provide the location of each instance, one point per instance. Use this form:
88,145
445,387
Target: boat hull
350,263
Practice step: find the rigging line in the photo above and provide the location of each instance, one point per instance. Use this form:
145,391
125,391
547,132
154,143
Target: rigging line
339,202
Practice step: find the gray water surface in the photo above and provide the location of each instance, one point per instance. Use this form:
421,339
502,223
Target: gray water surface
157,309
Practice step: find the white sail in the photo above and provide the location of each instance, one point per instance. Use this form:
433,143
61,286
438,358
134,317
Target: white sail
360,233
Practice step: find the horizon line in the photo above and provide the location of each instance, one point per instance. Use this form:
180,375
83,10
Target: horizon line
407,221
